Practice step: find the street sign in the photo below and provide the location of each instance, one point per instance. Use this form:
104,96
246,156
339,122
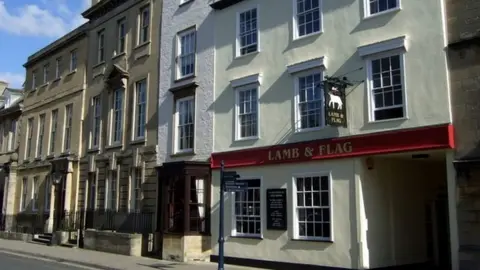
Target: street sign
231,186
230,175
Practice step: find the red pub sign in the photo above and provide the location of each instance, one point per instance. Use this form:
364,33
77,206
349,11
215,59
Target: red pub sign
425,138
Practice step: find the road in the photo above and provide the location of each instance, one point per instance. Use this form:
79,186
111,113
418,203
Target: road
13,262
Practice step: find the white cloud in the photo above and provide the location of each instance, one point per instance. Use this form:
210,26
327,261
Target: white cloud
33,20
14,80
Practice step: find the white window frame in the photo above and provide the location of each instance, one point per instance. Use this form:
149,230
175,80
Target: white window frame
29,138
238,48
295,220
24,194
296,34
135,202
41,133
366,8
73,60
101,46
34,79
34,198
136,119
58,62
12,135
68,125
121,36
179,56
298,120
112,177
46,68
113,111
234,232
177,122
53,131
47,197
96,120
141,37
371,101
238,130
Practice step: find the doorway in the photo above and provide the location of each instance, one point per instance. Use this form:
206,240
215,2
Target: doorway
438,232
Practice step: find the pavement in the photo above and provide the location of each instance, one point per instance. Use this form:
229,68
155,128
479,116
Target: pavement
76,257
15,262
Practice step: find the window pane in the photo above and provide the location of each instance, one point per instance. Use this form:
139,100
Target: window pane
248,209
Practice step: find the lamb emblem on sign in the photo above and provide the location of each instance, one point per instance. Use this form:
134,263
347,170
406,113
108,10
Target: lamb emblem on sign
334,98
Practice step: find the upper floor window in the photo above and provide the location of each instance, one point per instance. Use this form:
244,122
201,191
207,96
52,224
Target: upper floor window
97,114
29,137
41,132
309,101
122,33
53,130
144,35
140,108
101,46
67,141
247,112
58,63
45,73
378,6
307,18
12,135
73,60
312,215
136,187
117,115
186,53
386,86
185,119
34,79
247,40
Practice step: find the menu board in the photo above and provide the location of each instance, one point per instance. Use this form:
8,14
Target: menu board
277,209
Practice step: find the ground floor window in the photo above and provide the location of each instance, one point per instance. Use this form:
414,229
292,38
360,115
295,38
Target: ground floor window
247,216
312,207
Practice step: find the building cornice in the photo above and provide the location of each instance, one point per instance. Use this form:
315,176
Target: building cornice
101,8
223,4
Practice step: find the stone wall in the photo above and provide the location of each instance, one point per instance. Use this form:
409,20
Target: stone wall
112,242
186,248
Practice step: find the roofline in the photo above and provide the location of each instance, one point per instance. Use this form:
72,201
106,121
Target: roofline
87,13
57,44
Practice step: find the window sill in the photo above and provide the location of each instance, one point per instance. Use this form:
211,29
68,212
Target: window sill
72,72
253,138
252,54
57,79
93,149
370,16
119,55
185,3
37,159
51,156
114,146
306,130
66,153
183,153
252,237
99,64
314,34
191,76
138,141
44,85
388,120
311,240
144,44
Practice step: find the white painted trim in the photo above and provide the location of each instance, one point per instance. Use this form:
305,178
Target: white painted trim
262,212
383,46
295,35
250,79
175,131
237,31
294,205
180,34
320,62
237,109
367,14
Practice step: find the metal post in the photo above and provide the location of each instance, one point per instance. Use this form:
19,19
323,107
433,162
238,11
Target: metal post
221,239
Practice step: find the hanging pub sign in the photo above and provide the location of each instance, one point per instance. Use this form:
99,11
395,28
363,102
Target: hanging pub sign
335,107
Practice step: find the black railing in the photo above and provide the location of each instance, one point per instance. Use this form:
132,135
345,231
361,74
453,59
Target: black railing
31,223
119,221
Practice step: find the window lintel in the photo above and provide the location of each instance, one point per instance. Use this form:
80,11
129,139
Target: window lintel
383,46
250,79
319,62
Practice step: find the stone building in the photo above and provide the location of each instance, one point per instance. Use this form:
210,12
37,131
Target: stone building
336,115
185,129
118,186
11,105
50,141
464,63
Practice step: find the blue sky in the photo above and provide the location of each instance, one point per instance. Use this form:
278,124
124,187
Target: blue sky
29,25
